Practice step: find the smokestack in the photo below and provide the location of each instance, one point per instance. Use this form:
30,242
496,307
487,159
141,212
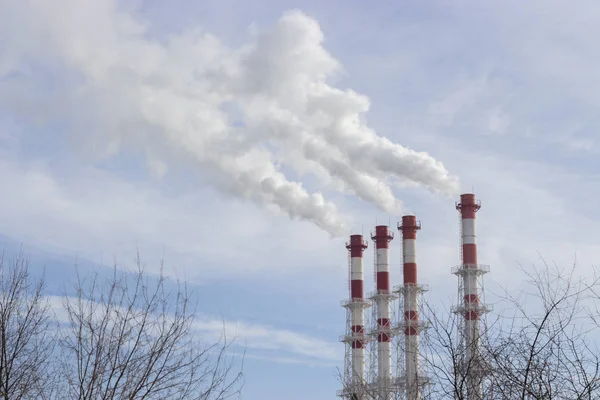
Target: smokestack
355,339
382,300
469,286
411,290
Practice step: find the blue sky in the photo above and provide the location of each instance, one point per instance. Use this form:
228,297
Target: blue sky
110,140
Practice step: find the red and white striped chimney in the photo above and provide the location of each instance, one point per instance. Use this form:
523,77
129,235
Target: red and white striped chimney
382,239
356,247
468,207
409,229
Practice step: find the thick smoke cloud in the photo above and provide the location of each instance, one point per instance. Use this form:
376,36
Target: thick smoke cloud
238,114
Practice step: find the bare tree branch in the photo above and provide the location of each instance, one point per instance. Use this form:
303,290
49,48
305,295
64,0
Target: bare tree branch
26,332
128,337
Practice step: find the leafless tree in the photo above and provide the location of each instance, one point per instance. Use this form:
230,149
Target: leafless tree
129,337
444,357
358,390
125,337
542,346
546,349
26,332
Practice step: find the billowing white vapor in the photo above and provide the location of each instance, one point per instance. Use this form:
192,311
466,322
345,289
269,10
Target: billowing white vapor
243,116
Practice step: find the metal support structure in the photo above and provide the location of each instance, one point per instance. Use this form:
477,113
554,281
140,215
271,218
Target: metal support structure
355,385
383,385
413,384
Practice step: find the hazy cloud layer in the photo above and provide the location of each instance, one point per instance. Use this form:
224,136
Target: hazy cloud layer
238,114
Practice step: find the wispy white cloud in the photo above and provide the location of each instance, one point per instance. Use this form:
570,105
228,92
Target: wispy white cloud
101,216
272,340
257,340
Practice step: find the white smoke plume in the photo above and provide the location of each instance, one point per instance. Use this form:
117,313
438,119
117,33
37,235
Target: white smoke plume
239,114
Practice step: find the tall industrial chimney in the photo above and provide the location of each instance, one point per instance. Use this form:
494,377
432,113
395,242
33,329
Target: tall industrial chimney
355,339
411,290
469,273
382,298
